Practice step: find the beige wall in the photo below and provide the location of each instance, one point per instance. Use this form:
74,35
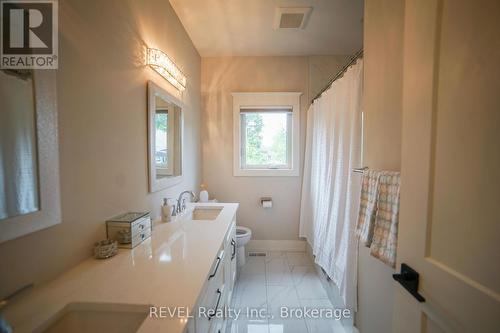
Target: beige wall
101,87
220,77
322,69
383,59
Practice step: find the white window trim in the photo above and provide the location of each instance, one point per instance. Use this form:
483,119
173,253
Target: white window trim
267,100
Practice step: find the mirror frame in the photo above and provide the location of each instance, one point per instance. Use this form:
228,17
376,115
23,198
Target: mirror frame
49,214
156,185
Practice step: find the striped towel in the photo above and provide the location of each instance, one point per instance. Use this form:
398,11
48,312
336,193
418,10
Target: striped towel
385,231
367,206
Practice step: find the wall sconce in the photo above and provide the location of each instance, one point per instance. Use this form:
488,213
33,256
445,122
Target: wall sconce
162,64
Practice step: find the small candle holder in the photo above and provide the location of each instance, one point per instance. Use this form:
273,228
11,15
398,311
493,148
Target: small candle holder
105,249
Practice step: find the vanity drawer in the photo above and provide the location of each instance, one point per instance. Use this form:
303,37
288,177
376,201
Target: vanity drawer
217,269
141,236
140,226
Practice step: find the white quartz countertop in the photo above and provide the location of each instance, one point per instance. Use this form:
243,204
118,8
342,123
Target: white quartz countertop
169,269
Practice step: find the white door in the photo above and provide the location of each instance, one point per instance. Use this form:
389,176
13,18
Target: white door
450,196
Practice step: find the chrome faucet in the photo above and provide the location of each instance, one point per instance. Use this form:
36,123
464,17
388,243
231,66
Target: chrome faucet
181,203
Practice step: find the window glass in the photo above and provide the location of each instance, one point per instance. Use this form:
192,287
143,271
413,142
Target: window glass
265,138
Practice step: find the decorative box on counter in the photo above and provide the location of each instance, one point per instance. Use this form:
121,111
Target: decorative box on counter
129,229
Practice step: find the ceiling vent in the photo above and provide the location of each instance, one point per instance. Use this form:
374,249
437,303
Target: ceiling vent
291,17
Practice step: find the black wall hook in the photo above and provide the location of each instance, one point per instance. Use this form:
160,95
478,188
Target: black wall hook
408,278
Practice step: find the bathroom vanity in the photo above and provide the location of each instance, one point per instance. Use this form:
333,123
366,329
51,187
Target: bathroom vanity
186,268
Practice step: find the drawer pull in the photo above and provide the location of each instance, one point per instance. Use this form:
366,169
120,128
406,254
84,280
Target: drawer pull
233,243
141,226
212,314
219,259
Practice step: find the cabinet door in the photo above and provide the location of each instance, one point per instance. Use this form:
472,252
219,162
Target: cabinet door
230,263
233,257
212,295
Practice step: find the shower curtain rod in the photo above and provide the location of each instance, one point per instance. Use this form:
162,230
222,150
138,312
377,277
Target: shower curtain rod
352,60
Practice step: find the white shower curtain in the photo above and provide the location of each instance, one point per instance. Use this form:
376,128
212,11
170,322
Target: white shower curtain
330,191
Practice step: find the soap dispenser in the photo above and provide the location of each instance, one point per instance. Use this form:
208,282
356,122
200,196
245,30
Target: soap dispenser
203,193
166,211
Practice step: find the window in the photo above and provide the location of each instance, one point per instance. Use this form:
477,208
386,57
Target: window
266,138
266,132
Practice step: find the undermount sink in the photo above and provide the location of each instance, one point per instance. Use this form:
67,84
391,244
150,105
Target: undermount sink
96,317
205,213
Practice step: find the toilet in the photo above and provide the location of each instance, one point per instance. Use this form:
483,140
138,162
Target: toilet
243,235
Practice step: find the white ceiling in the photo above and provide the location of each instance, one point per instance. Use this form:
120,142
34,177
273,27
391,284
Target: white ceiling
245,27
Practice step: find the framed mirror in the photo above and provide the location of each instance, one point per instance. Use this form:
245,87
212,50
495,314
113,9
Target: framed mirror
29,154
18,150
165,131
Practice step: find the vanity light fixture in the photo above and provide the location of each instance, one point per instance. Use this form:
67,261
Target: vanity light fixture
162,64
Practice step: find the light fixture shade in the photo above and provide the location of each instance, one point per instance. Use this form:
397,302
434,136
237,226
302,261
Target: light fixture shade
162,64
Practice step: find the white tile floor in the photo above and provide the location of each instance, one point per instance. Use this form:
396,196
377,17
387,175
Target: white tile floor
281,279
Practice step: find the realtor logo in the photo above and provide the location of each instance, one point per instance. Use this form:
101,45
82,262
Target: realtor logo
29,34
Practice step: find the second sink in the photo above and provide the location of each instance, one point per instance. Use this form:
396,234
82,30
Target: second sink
205,213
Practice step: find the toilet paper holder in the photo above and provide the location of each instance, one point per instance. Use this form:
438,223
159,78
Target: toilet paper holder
266,202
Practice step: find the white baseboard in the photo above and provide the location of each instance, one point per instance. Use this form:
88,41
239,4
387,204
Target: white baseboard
276,245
